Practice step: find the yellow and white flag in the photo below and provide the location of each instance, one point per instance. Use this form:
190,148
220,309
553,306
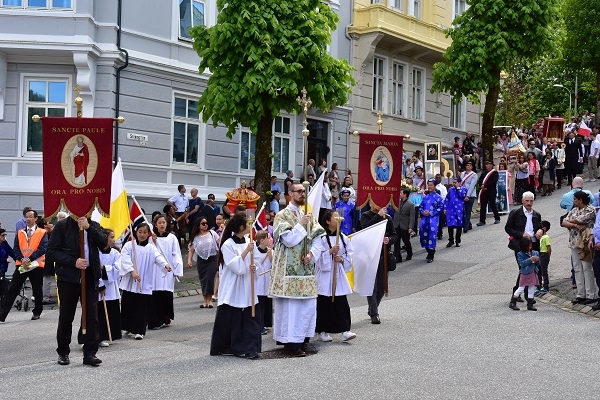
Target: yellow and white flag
119,208
315,195
367,251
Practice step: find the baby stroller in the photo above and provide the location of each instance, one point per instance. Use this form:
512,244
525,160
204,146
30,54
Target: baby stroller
22,301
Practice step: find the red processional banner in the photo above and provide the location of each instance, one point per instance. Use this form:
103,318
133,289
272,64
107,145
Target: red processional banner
379,170
77,160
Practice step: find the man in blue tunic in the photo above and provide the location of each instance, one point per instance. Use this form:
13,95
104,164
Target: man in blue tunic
430,209
454,206
346,210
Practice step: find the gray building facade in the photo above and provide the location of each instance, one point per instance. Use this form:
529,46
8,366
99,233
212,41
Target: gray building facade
47,47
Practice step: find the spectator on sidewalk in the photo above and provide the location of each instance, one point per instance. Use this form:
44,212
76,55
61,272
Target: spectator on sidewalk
523,222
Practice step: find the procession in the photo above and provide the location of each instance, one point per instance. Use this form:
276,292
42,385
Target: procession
319,198
287,271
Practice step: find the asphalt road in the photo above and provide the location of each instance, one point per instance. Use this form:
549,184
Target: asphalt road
446,333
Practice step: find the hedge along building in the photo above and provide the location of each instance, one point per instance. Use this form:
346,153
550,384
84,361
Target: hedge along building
137,62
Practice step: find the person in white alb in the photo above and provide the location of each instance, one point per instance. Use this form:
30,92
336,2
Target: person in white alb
333,315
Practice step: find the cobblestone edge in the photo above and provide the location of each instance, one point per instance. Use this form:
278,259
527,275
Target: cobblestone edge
567,305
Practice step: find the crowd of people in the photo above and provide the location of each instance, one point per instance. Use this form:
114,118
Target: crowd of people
291,277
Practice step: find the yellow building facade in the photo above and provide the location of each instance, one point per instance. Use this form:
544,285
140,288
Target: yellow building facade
395,44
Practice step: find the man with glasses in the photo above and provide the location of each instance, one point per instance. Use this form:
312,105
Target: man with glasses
29,250
293,283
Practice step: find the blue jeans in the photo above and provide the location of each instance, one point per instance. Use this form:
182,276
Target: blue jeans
468,212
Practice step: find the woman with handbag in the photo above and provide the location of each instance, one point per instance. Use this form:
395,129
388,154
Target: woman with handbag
204,246
582,216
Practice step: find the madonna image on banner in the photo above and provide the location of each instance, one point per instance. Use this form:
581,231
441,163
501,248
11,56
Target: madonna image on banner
501,194
79,161
382,165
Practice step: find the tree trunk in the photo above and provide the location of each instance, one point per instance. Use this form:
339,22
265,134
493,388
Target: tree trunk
262,157
597,95
489,112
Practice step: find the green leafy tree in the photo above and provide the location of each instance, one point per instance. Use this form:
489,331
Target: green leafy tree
582,39
261,53
488,37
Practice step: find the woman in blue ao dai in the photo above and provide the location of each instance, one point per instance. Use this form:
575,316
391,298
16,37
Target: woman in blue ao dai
430,209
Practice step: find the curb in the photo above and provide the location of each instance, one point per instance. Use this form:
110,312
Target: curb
566,305
187,293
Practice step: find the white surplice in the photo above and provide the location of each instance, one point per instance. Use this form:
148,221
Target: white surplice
324,265
168,247
112,266
148,259
234,281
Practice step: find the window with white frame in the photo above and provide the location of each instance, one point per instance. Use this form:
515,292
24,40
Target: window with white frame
376,1
457,114
459,7
396,4
418,9
281,146
46,97
47,4
191,13
186,131
398,88
418,93
379,66
247,150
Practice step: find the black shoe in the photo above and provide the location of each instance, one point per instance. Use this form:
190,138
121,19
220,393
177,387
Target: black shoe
92,360
440,237
513,304
530,306
596,307
590,301
429,260
408,258
375,320
252,356
520,300
309,348
35,316
450,244
296,353
457,244
480,223
578,300
2,317
497,221
63,360
398,260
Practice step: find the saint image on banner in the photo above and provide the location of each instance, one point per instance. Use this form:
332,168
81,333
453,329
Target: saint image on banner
381,165
80,161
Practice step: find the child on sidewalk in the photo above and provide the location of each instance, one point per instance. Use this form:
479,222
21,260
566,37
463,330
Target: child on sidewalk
528,260
545,252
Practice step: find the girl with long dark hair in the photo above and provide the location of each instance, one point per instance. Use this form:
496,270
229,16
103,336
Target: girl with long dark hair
161,309
235,330
332,316
203,250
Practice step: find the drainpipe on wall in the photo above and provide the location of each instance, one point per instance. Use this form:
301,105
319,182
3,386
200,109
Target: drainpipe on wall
118,83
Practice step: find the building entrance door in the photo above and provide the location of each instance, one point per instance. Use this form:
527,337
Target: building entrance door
317,141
